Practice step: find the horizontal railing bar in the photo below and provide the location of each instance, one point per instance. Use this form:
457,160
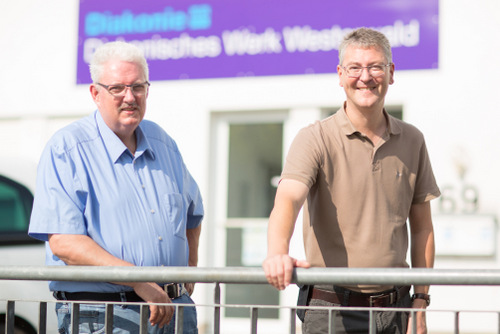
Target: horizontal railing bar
274,307
345,276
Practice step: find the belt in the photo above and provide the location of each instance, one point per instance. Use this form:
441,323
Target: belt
352,298
173,291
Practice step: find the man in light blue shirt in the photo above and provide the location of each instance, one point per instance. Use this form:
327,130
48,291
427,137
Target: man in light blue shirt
113,190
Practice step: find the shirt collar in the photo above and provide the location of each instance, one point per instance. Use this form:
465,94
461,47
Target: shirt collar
143,145
349,129
394,128
115,147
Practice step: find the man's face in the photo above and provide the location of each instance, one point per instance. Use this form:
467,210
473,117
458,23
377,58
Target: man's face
121,113
366,92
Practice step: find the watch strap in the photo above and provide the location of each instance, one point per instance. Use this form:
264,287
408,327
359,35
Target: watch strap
423,296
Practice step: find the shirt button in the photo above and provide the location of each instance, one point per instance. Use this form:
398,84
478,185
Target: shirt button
143,186
160,238
152,211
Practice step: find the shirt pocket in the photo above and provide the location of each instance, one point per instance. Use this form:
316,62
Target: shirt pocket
176,213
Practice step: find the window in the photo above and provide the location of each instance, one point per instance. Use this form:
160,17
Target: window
16,202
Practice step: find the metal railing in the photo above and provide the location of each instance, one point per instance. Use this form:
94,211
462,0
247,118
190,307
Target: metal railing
228,275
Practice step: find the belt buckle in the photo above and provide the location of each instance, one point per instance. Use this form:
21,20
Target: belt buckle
391,295
173,290
374,298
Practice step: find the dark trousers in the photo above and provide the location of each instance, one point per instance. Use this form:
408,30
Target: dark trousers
356,322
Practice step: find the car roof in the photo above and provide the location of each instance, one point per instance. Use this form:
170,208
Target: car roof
22,171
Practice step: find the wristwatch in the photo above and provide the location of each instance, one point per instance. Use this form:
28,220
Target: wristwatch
423,296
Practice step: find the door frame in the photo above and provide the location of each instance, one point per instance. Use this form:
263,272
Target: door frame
293,120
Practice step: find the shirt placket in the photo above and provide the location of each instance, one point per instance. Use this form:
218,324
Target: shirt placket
150,206
376,164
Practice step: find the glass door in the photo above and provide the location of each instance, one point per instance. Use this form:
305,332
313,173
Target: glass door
255,156
246,162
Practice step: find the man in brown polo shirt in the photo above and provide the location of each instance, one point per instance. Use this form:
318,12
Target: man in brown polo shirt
361,174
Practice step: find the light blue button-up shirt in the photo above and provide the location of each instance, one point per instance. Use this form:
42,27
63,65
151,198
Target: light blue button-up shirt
135,207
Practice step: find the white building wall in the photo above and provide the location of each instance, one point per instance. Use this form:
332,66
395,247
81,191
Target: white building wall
456,107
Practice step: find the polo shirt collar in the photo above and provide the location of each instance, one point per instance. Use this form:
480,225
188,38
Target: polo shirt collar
345,123
394,128
115,147
349,129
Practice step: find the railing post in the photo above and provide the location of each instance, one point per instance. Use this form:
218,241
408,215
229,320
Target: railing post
144,319
11,312
331,321
217,308
42,318
75,318
254,312
498,328
371,322
293,324
108,322
179,319
413,316
457,322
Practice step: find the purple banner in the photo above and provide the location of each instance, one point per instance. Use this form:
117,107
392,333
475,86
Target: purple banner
194,39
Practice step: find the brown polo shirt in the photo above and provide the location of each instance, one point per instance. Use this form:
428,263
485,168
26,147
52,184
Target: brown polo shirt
359,194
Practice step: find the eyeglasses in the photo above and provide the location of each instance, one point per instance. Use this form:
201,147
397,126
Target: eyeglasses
354,71
138,89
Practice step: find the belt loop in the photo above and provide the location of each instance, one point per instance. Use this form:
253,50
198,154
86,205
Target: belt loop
123,297
346,297
62,295
182,289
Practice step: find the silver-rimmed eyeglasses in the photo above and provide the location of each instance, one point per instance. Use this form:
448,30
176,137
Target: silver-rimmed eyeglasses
355,71
137,89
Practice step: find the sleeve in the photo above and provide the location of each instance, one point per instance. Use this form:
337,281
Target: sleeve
195,210
59,199
426,187
191,191
304,158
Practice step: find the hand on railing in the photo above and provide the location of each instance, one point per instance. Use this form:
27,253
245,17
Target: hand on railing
279,269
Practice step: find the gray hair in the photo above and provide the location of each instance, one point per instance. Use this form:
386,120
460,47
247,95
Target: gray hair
365,37
116,51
